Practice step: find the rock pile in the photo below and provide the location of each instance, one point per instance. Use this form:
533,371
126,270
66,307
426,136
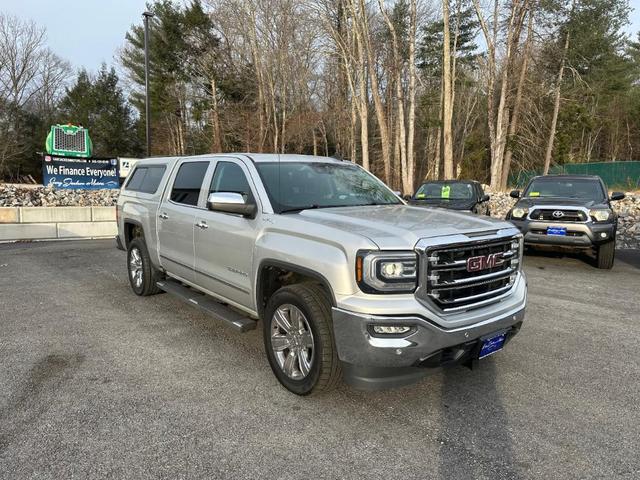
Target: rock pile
628,215
16,196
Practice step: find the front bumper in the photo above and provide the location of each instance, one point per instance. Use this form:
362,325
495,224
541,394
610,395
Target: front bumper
374,362
579,235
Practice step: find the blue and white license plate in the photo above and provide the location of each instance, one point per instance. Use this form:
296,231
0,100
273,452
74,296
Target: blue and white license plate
492,345
562,231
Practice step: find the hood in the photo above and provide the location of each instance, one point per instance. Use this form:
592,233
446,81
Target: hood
560,202
450,204
399,227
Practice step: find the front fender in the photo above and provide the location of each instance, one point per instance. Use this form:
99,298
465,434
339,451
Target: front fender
328,260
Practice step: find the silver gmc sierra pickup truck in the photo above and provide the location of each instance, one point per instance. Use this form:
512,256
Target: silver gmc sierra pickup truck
348,281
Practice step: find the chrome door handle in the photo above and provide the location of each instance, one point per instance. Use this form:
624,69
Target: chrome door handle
163,216
202,225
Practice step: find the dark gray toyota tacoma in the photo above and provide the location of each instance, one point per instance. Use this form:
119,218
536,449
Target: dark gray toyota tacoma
568,211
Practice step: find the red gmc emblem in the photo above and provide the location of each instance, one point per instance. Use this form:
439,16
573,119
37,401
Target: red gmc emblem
483,262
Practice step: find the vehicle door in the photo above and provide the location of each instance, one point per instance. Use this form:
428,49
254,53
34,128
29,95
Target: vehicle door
176,217
224,242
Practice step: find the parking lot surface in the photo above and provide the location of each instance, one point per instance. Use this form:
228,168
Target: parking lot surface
98,383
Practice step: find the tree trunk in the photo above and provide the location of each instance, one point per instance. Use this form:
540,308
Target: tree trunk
385,141
407,183
411,120
515,115
502,118
216,144
556,109
447,107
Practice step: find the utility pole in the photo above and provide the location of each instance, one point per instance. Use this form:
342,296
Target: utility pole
147,16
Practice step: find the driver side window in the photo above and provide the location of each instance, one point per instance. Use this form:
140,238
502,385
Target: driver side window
229,177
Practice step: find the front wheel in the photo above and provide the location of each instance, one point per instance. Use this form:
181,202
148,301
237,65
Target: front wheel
605,254
298,339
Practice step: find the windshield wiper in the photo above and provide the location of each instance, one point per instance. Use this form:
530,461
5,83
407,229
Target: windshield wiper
315,207
299,209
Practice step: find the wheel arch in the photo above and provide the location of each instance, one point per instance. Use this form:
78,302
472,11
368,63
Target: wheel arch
270,277
132,229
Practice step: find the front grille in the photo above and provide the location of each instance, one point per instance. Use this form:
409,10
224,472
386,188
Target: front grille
539,231
452,286
558,215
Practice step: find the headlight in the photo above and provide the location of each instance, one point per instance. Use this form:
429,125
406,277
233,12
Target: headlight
600,215
387,271
519,212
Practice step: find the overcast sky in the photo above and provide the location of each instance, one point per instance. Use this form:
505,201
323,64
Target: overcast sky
85,32
89,32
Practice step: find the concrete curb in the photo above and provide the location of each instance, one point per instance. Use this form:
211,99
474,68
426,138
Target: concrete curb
56,223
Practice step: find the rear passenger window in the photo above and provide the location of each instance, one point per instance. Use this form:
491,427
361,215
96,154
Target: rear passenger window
145,179
135,181
152,179
188,182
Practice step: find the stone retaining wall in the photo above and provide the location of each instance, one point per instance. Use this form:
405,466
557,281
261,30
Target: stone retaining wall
58,223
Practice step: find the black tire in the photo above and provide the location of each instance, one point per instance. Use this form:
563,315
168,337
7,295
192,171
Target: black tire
150,275
325,369
605,254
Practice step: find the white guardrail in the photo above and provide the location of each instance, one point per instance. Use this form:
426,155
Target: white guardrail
56,223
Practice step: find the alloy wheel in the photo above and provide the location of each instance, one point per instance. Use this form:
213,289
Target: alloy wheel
292,341
135,267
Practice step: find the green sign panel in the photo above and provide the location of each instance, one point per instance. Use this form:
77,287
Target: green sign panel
68,141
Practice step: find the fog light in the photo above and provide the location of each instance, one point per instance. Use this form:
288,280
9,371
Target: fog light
390,329
603,235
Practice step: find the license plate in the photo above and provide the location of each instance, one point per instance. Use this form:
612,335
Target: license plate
556,231
492,345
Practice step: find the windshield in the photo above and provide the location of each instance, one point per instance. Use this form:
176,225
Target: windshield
445,191
588,189
295,186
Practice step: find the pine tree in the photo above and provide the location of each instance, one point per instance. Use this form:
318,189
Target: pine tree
98,103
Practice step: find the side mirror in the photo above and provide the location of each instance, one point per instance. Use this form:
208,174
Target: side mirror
485,198
515,194
407,197
231,202
617,196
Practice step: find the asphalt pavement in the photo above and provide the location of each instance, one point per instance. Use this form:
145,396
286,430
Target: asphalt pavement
96,382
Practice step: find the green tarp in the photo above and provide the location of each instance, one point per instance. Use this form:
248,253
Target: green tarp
624,175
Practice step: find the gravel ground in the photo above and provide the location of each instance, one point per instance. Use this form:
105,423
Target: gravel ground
98,383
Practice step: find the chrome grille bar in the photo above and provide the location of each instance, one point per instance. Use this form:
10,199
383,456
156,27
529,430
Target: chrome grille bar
461,275
479,279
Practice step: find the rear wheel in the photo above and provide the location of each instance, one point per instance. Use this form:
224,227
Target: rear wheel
142,274
298,338
605,254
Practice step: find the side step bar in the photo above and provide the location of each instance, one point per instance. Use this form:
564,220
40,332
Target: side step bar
235,320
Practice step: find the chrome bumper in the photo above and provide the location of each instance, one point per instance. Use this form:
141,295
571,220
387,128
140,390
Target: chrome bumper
372,362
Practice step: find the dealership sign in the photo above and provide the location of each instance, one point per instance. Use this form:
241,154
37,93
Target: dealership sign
91,174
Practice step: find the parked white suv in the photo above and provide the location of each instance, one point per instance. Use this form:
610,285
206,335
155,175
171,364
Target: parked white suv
348,281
